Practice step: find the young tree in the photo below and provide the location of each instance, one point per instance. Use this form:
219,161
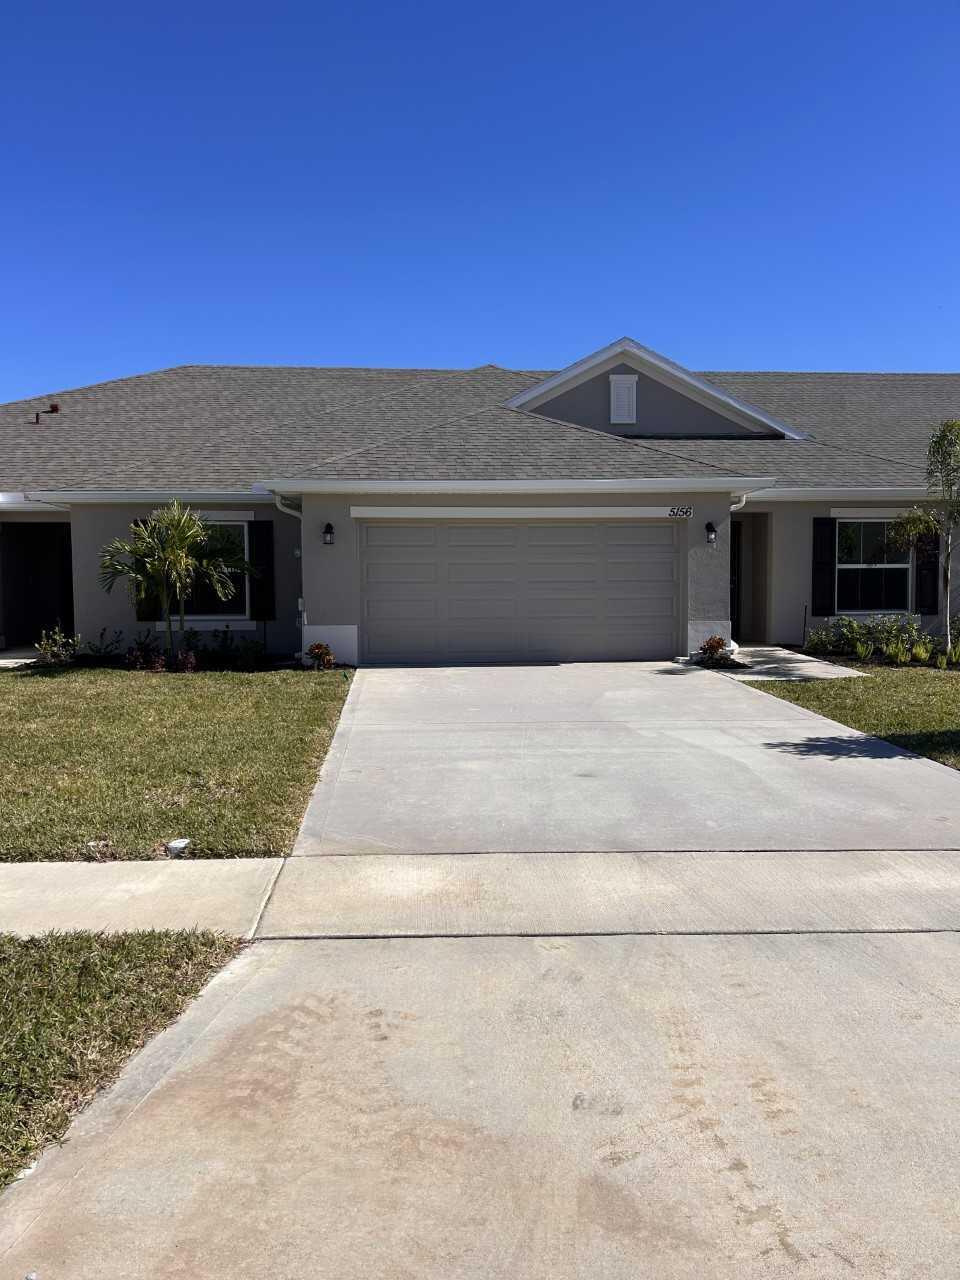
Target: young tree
938,516
166,556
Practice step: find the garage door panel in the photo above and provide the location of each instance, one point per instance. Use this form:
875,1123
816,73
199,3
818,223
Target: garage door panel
523,591
403,608
479,571
562,571
483,535
395,538
640,573
399,571
569,536
630,534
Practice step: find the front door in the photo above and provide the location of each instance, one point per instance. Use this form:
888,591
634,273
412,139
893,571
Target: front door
736,552
36,580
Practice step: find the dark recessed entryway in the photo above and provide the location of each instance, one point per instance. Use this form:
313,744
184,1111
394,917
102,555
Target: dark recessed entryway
36,581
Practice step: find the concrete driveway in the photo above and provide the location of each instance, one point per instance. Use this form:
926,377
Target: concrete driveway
729,1046
610,756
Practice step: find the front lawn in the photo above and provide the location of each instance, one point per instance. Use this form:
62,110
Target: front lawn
73,1008
101,764
917,708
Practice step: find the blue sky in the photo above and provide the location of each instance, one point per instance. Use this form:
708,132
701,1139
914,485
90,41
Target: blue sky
740,186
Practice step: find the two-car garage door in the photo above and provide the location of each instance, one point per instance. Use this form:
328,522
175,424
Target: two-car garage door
438,591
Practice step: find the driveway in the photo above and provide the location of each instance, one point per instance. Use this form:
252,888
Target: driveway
554,1108
611,756
728,1046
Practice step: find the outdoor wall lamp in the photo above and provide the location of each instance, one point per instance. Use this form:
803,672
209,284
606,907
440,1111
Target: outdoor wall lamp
328,534
711,531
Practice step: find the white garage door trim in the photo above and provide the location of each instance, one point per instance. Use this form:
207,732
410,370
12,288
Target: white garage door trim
522,513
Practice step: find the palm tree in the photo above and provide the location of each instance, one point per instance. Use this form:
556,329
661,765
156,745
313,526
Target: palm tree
166,556
938,517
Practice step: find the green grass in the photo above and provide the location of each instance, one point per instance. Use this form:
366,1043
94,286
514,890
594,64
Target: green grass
73,1007
917,708
128,760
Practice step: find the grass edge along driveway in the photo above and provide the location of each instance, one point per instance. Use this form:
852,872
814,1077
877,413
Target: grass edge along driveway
100,764
916,708
73,1008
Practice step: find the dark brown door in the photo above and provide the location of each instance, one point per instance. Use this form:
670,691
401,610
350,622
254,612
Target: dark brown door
736,555
36,580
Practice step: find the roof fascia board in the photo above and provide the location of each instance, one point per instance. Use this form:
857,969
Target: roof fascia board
877,494
78,497
661,370
518,512
12,502
669,484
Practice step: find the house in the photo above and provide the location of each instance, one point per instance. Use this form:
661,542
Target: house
621,508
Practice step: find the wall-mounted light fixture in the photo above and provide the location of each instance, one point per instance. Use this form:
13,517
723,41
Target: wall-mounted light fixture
328,534
711,531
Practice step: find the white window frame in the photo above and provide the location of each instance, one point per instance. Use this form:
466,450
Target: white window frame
628,380
898,564
218,621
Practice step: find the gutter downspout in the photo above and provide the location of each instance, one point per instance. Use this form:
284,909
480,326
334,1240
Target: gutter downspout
278,502
740,503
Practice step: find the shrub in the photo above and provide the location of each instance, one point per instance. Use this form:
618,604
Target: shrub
941,661
864,650
819,640
894,628
922,649
842,635
903,653
143,653
55,648
227,652
712,647
103,648
954,654
321,655
846,633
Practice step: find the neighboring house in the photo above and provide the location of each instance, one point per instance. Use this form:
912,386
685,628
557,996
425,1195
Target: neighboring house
621,508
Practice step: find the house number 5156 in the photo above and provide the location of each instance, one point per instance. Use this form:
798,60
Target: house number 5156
681,513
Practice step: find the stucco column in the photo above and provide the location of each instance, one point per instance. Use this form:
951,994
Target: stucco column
708,572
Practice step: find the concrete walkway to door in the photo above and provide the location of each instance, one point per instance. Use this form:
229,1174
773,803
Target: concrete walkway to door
609,757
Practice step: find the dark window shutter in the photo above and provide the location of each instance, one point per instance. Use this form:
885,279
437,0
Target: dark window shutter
262,593
823,598
927,575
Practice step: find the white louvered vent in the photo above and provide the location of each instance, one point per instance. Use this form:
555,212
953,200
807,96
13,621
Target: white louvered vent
623,398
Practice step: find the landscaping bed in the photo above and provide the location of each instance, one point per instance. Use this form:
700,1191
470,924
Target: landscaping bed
73,1008
100,764
914,707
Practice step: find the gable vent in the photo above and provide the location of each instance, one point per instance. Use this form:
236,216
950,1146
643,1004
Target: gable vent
623,398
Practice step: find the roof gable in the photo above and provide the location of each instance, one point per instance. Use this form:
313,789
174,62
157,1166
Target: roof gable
626,351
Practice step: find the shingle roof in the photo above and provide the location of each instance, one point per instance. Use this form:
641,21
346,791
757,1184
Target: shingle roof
231,427
490,443
885,415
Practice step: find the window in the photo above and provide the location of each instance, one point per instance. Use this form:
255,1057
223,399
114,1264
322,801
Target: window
873,572
623,398
203,601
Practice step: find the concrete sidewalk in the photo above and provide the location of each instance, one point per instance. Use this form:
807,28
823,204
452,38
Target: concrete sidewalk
494,895
206,893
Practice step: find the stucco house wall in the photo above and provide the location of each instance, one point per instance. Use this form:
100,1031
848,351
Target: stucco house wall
94,525
333,589
789,569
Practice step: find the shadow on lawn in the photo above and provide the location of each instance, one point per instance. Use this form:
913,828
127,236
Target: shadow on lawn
36,671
